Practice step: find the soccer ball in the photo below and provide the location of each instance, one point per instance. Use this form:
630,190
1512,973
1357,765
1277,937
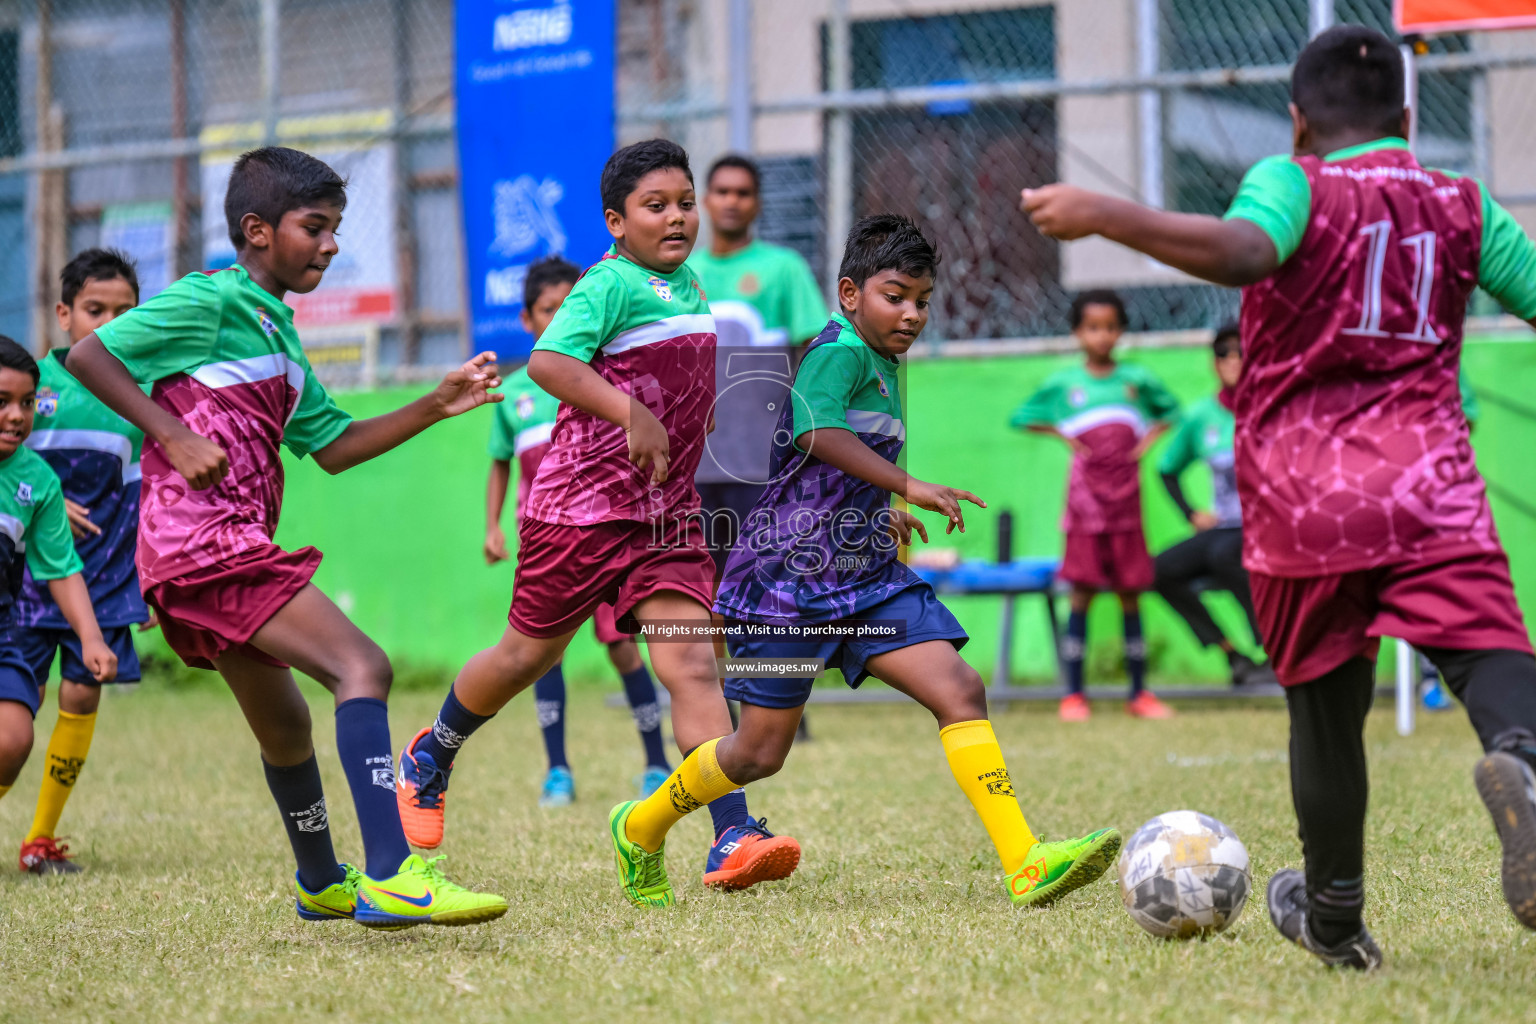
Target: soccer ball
1184,873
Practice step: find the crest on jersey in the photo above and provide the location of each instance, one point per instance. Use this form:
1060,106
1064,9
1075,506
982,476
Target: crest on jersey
23,493
880,382
1130,392
524,406
1077,396
661,288
268,326
749,285
47,401
1212,437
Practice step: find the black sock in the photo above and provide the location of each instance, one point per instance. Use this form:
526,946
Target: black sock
1135,652
301,800
1330,788
1499,690
362,741
549,702
1073,647
455,724
647,711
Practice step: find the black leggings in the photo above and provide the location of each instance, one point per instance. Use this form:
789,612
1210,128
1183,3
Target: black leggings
1328,772
1214,555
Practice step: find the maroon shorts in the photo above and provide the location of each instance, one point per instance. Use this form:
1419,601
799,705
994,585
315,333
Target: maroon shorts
606,629
1313,625
1116,561
565,572
213,611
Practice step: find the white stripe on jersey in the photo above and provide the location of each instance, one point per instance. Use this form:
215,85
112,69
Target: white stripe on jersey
661,330
532,437
876,423
12,528
252,371
1083,422
90,440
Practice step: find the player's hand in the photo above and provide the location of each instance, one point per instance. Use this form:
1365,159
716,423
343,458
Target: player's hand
495,549
98,657
80,521
1202,520
469,386
1062,212
151,623
201,462
901,525
649,447
943,500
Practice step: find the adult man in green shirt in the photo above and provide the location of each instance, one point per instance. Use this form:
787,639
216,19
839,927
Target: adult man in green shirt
765,301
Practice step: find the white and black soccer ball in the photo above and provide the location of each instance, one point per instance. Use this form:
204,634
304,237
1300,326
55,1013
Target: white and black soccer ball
1183,874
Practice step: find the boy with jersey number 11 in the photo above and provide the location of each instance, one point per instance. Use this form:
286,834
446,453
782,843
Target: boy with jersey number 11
1363,511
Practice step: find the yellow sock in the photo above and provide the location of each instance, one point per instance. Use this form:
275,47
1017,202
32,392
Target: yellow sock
4,790
67,747
696,782
977,762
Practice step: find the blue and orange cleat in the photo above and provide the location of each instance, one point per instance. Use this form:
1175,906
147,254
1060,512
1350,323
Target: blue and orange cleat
421,791
744,855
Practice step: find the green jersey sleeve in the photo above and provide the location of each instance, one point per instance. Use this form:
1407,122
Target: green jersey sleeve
172,333
1044,408
806,315
317,421
588,317
1154,397
1181,447
827,379
503,443
1507,267
51,553
1276,196
1470,407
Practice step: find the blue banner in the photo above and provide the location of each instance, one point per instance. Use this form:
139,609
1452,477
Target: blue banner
535,124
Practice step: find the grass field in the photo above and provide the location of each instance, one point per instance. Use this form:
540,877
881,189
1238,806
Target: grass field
896,914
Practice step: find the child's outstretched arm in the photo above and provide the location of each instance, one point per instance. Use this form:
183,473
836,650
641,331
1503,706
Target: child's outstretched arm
1232,252
576,383
201,461
74,600
843,450
460,391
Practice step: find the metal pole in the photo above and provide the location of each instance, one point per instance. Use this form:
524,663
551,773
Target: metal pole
1411,91
1150,102
739,75
1319,16
839,143
1482,130
271,68
181,199
1405,694
45,185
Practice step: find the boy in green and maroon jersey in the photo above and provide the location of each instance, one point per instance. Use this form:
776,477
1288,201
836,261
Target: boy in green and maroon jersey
1110,413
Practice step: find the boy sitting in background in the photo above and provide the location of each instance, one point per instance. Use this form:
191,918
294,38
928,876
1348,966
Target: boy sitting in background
95,453
521,428
1109,413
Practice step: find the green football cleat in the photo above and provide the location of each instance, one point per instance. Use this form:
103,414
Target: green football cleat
337,900
1051,870
419,894
642,875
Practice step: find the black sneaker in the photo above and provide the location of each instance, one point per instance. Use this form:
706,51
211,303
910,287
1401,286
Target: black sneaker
1508,790
1247,672
1288,910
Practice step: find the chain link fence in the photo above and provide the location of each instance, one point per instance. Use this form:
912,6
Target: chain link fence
118,120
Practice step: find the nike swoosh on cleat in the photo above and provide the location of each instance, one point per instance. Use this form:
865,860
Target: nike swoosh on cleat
415,901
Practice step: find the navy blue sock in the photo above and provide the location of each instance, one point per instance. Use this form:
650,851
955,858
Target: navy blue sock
642,701
728,811
362,741
299,797
1073,646
1135,652
455,723
549,702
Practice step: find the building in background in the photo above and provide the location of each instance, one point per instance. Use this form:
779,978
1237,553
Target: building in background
117,115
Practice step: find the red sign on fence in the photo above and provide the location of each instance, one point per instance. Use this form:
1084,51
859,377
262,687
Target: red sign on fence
1428,16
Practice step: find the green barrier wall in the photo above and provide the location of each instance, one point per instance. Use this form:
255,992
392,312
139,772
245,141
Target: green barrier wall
402,534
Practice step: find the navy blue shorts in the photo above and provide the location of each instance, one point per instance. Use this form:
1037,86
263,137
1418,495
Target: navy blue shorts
917,607
17,680
37,647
